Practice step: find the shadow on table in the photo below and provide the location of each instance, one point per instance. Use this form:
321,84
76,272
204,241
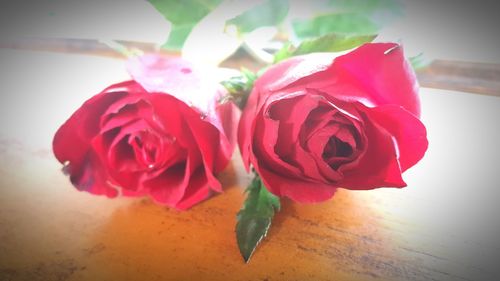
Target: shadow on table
341,237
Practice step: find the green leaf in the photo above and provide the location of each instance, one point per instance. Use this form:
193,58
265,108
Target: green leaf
332,43
183,15
339,23
177,37
254,219
285,52
367,6
269,13
239,87
349,17
327,43
419,61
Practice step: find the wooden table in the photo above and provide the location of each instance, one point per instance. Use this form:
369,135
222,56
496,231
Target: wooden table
443,226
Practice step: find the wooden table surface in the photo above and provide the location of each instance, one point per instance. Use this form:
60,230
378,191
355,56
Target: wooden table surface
443,226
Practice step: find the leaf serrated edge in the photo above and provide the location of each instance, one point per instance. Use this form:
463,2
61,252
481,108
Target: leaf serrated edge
274,205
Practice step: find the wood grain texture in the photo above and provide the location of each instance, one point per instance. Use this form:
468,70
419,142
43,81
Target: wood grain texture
479,78
443,226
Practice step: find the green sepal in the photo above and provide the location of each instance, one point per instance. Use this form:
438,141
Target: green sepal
239,87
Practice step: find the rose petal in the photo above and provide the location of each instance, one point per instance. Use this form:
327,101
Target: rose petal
122,157
72,140
409,132
265,138
179,78
296,189
128,180
208,141
72,144
373,74
88,175
197,191
291,70
317,142
317,120
196,133
305,161
247,121
110,150
126,110
291,114
383,73
229,114
246,128
169,187
378,166
172,120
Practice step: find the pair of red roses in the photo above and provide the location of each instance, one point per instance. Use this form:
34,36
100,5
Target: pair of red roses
311,124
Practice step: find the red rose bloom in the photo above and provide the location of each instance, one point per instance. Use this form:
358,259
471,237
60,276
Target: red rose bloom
314,123
162,134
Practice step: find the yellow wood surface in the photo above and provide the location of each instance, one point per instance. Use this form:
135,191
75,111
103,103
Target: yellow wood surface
443,226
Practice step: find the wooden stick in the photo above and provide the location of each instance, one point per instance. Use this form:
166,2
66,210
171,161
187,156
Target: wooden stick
471,77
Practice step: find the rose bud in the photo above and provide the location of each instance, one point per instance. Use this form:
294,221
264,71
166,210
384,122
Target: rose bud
315,123
163,134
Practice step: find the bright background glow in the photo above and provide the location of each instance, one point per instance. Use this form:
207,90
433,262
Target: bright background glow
449,209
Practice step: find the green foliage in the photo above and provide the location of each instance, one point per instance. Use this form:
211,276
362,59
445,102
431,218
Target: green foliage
334,19
254,219
345,24
269,13
348,17
326,43
183,15
367,6
239,87
332,43
419,62
285,52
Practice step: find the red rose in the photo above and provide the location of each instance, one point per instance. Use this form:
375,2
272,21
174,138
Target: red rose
314,123
162,134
